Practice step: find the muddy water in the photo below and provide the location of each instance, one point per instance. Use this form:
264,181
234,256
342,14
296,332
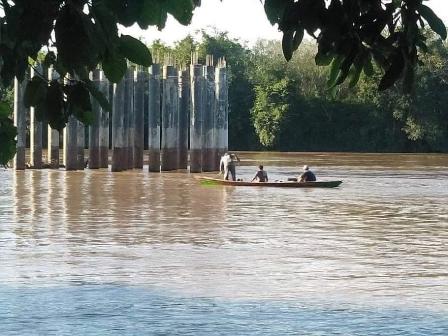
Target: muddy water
136,253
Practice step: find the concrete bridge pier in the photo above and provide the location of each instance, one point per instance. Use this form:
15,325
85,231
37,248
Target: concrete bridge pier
170,119
119,157
141,78
104,122
222,109
35,130
184,117
196,117
94,128
154,118
20,112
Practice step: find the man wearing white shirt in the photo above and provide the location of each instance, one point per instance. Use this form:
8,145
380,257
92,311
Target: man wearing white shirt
227,165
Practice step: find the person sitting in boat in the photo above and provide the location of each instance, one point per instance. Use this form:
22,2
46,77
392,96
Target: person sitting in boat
261,175
307,175
227,165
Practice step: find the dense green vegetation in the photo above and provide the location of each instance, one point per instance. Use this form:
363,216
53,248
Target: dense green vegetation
295,110
289,106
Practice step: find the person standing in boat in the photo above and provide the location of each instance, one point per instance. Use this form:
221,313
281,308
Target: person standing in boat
261,175
228,165
307,175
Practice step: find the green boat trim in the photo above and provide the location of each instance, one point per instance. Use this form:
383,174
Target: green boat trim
204,180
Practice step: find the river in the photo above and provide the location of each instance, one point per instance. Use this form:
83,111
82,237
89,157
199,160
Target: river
138,253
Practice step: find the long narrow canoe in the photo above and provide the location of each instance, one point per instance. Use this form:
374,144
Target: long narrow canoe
318,184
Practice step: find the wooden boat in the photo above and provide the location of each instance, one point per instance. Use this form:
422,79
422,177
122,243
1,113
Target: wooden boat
288,184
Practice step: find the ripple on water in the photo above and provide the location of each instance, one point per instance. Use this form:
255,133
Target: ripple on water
89,309
367,258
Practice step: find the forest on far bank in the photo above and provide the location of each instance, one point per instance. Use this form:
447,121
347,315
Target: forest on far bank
290,106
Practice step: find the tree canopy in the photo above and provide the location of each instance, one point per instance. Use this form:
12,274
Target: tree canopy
352,33
293,110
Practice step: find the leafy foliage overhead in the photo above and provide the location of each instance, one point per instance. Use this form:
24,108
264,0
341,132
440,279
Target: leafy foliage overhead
85,35
352,33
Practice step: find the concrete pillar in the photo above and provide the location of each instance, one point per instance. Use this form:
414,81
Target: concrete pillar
94,128
196,118
20,112
53,135
81,140
141,78
184,117
222,109
71,144
209,150
35,131
154,118
170,119
53,148
129,117
119,157
104,123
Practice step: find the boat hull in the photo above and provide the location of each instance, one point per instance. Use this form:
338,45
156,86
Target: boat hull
318,184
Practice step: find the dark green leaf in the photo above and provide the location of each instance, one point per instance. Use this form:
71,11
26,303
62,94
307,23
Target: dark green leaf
182,10
55,106
322,59
50,59
422,45
98,95
35,92
135,51
40,111
298,37
129,11
433,20
79,103
75,41
275,9
355,74
334,71
393,73
114,68
287,44
152,14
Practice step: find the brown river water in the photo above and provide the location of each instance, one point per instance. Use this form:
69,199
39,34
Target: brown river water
138,253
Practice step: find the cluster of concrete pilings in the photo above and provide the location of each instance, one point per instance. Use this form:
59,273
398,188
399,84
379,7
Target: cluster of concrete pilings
185,113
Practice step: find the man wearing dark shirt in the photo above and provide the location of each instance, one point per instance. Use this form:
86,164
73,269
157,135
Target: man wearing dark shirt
307,175
261,175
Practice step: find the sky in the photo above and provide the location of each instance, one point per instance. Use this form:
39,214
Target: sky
242,19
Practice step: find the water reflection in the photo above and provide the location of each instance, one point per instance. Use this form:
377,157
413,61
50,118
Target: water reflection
378,242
